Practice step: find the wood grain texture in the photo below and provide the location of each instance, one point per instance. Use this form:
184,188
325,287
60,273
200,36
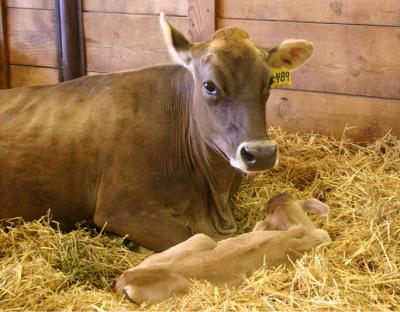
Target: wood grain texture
331,114
202,19
32,37
370,12
21,76
153,7
123,41
359,60
4,73
31,4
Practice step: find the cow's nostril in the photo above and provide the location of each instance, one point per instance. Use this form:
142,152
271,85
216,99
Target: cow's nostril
247,156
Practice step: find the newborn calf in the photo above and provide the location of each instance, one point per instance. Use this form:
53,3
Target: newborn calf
162,275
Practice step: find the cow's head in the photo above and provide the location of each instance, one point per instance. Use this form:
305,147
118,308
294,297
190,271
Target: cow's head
232,81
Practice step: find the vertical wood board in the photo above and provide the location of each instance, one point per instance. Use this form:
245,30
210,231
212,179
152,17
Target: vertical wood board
201,19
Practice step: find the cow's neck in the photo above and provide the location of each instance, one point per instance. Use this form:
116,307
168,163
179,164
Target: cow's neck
211,174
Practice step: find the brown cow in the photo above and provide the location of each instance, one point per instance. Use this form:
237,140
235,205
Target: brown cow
222,263
129,149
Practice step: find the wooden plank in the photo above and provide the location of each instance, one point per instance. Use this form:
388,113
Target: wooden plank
21,76
32,37
368,12
31,4
360,60
4,73
153,7
123,41
331,114
202,19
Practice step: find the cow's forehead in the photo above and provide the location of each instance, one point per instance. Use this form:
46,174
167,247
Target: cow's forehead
230,33
233,48
232,55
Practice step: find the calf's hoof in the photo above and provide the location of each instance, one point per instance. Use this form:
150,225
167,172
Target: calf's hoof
321,236
151,285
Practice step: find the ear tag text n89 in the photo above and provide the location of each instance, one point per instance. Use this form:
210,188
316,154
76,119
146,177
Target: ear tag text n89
282,77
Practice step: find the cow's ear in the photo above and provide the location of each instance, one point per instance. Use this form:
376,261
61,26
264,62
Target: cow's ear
290,54
178,45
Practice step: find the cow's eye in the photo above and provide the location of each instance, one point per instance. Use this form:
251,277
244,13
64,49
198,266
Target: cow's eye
210,88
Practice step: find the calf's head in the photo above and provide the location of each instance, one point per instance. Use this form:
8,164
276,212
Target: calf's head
232,81
284,211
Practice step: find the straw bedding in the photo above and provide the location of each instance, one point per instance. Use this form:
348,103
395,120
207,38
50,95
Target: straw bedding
43,269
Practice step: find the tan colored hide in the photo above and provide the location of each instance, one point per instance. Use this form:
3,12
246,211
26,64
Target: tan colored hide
223,263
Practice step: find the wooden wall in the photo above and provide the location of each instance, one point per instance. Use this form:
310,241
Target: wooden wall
353,79
126,34
118,34
31,32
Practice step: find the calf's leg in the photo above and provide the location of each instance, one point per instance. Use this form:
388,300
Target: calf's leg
292,244
151,284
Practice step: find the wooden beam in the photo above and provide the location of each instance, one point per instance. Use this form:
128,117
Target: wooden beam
4,70
201,15
70,39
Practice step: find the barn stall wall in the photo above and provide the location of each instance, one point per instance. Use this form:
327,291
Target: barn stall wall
31,36
353,79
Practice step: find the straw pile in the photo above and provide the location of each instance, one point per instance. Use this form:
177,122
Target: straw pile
43,269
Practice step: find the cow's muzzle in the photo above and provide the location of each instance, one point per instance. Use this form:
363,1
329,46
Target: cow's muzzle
254,156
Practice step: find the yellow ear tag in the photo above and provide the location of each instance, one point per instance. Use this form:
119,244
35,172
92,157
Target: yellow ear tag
282,77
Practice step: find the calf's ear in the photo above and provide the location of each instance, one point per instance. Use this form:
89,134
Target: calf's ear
313,205
290,54
178,46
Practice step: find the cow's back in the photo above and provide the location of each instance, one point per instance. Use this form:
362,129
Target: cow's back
56,140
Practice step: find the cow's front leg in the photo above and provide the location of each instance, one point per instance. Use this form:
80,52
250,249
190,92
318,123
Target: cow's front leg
154,229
